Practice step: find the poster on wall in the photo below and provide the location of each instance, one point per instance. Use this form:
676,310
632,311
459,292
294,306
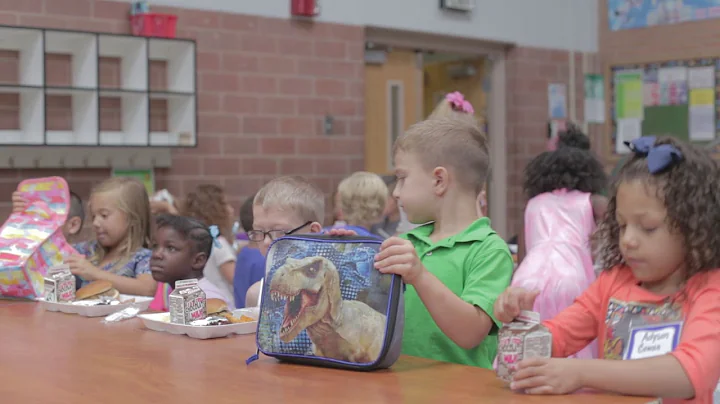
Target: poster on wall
629,95
673,83
629,14
651,88
627,130
594,98
147,177
557,101
701,84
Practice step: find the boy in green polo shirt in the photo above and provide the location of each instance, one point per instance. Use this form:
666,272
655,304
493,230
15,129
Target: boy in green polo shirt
456,266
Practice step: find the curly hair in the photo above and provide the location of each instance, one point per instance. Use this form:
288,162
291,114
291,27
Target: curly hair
191,229
573,137
689,191
565,168
207,204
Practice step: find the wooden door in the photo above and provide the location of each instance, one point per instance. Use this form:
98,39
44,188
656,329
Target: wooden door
393,102
439,81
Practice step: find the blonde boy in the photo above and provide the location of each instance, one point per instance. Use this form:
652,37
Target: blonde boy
457,265
361,200
285,205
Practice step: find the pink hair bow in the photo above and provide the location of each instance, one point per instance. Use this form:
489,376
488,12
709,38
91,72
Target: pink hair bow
458,102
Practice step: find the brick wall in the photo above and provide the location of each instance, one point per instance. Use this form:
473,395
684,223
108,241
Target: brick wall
529,72
264,87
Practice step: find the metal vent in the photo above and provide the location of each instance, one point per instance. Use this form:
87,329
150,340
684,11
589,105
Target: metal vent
457,5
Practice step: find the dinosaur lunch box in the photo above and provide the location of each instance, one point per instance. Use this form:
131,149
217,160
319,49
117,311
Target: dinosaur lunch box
323,303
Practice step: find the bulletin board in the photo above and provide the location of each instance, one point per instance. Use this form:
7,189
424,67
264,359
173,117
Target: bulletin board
676,98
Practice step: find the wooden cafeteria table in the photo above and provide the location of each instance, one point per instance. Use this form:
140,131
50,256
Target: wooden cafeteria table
48,357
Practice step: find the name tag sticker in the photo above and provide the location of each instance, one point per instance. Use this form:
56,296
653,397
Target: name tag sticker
653,340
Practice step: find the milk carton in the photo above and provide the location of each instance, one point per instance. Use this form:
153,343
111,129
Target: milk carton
187,302
523,338
59,285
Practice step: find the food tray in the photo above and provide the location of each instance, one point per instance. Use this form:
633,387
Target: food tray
161,322
142,302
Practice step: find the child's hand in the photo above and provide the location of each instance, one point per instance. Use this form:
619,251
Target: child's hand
19,203
513,300
341,232
81,267
547,376
398,256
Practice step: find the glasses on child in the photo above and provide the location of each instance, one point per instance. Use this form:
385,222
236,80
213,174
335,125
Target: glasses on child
259,235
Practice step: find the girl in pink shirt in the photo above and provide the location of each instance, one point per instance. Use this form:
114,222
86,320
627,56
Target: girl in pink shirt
656,310
563,188
180,249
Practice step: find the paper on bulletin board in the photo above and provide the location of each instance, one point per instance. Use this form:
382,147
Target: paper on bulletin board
651,87
652,94
701,77
147,177
629,95
673,85
702,114
557,101
626,130
672,74
702,96
594,98
702,122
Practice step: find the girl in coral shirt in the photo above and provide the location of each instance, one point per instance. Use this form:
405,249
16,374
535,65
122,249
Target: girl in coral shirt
656,310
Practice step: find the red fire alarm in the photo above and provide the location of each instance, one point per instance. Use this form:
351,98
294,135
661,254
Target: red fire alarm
304,8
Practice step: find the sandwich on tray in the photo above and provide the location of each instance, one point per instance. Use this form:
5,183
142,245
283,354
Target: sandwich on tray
97,290
218,308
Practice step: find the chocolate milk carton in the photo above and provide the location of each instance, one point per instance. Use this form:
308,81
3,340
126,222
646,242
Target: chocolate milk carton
523,338
187,302
59,285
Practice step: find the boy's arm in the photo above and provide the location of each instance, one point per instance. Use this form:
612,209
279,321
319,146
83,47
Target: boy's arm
253,294
466,319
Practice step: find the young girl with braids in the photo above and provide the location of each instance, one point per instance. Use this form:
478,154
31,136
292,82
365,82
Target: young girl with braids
655,310
180,250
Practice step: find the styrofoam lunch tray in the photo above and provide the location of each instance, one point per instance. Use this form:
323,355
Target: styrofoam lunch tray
142,302
161,322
